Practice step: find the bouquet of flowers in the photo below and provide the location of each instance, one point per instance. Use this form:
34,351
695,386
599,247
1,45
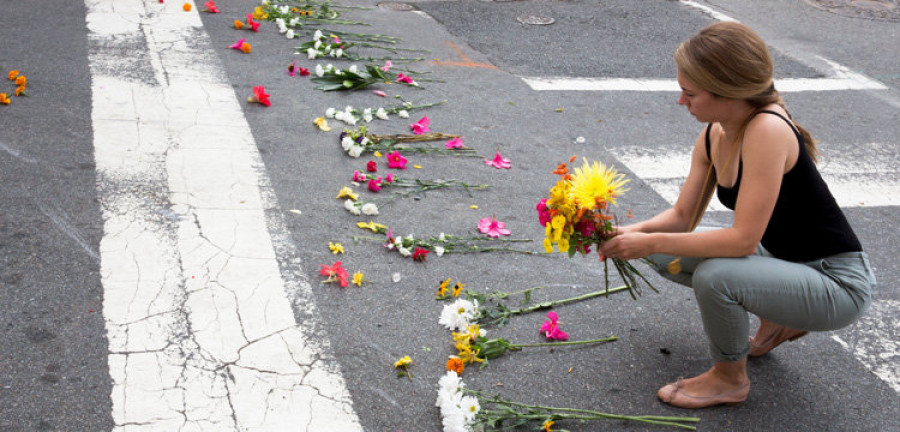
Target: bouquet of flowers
578,215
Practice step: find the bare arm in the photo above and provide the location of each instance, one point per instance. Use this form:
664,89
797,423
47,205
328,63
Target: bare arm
767,152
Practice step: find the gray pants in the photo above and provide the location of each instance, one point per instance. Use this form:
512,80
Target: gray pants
825,294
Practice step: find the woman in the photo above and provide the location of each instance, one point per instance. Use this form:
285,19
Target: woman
790,257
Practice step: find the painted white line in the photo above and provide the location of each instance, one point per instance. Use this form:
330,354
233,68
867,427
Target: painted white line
708,10
876,341
202,336
844,80
866,178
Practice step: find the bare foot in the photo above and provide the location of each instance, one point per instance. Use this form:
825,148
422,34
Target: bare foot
725,383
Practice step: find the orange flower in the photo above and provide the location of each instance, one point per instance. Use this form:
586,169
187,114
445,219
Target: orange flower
245,48
13,74
456,364
186,7
4,99
238,25
561,169
21,80
20,90
572,159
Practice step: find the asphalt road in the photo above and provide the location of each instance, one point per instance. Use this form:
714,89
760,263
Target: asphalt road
54,371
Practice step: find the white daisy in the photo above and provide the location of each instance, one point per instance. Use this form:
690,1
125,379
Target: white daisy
459,314
469,407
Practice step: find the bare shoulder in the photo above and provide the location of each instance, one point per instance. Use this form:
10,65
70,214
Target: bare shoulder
769,136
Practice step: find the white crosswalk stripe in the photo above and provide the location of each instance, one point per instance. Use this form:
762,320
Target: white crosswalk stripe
202,334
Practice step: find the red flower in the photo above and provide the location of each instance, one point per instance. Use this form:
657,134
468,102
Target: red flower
371,166
375,185
211,7
260,96
335,272
419,254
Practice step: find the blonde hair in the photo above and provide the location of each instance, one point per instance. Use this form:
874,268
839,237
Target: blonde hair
730,60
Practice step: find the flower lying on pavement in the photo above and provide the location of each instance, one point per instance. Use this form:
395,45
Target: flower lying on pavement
242,46
361,208
420,127
359,141
335,248
498,162
492,227
322,124
551,330
358,278
402,367
396,160
372,226
346,192
210,7
335,273
260,96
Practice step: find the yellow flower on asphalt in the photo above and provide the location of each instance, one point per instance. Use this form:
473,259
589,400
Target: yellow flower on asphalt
546,427
443,288
468,356
473,207
417,166
21,81
358,278
4,99
336,248
458,289
403,362
322,124
12,75
377,153
259,14
346,192
374,227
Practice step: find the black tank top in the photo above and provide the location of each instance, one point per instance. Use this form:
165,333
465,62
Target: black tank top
806,224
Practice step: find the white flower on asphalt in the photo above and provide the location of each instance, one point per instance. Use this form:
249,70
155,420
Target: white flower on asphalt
289,34
355,151
408,104
285,10
367,115
454,421
350,120
339,53
370,209
294,21
439,250
282,27
403,114
319,70
469,406
353,69
348,109
459,314
404,251
339,116
365,141
351,207
442,237
317,45
311,54
579,140
329,67
347,142
330,113
318,35
381,113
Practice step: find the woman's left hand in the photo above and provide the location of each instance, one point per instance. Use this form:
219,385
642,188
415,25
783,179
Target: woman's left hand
627,246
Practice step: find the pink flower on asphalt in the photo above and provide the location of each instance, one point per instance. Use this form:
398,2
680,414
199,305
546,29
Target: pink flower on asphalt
375,184
492,227
420,127
389,178
404,79
454,143
371,166
551,330
387,66
498,162
237,45
396,160
379,93
543,214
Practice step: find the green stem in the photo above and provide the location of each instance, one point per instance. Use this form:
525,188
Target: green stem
551,344
549,304
594,415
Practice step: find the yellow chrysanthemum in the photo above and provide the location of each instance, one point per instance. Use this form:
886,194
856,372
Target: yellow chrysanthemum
594,183
358,278
560,198
548,245
563,244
